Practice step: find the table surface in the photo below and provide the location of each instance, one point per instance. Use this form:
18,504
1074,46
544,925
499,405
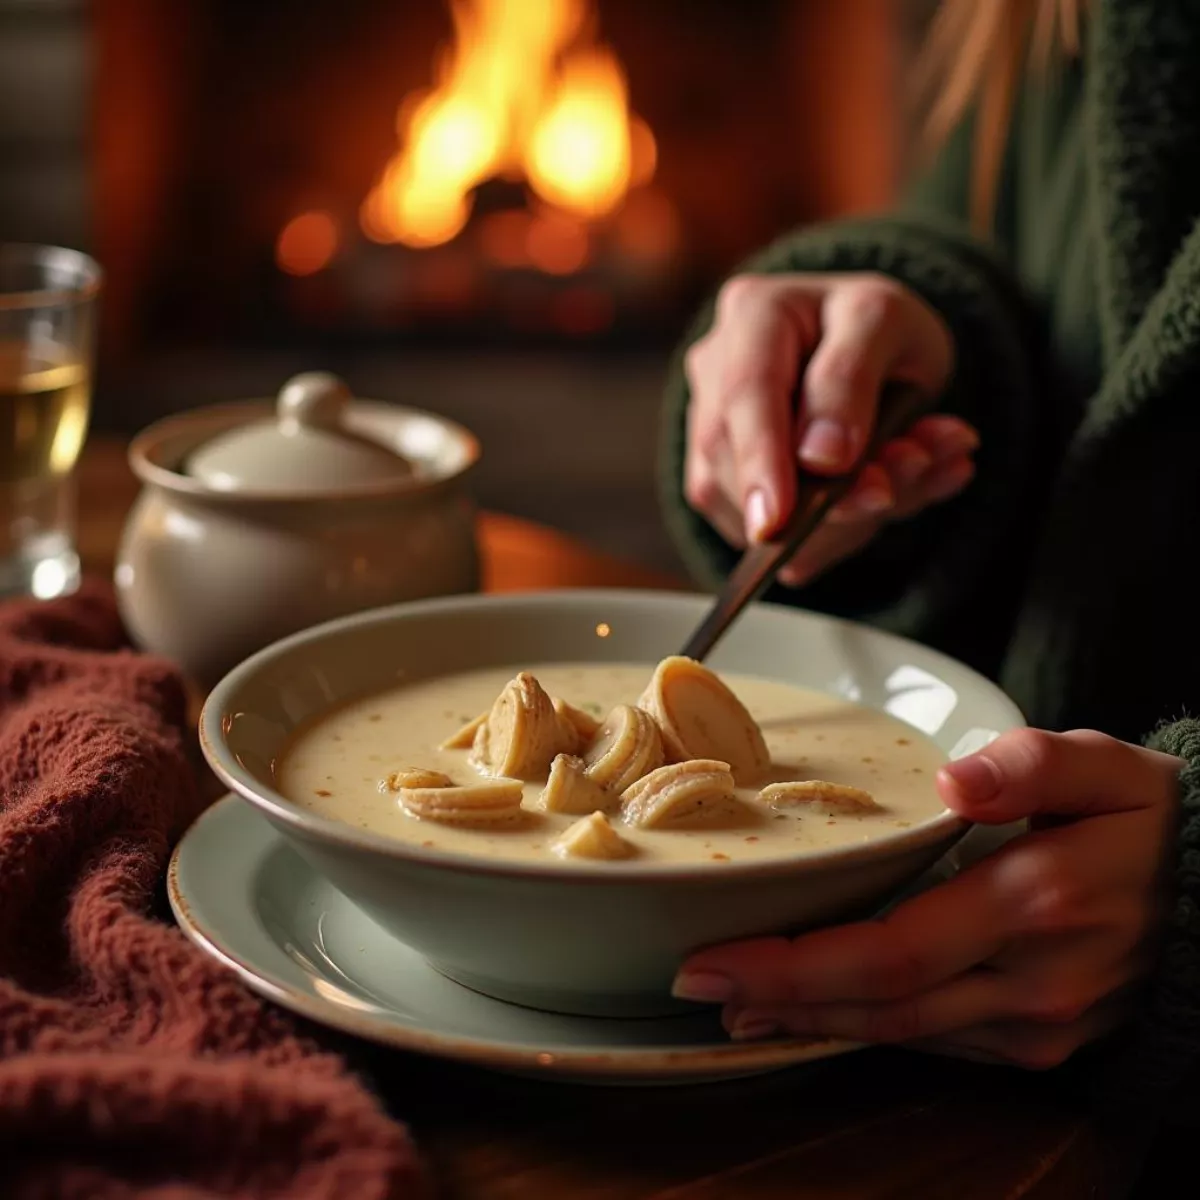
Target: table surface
871,1125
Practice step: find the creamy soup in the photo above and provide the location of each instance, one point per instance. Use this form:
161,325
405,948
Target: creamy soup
338,765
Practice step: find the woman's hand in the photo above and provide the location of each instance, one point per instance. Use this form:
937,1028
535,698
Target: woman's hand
1023,957
746,436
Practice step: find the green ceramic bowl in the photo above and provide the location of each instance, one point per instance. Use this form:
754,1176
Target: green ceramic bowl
603,938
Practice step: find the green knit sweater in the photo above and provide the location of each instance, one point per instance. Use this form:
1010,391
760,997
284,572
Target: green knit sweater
1060,570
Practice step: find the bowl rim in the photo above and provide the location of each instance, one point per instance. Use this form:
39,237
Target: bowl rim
311,826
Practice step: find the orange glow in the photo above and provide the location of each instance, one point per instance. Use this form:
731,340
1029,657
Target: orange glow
557,244
643,151
583,310
648,227
579,154
503,237
307,243
523,92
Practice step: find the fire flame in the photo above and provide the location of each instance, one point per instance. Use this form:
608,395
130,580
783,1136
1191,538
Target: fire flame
523,92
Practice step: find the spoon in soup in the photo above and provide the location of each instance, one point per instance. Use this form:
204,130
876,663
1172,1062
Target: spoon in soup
900,406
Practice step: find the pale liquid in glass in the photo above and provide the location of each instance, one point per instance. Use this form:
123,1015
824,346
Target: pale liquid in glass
44,408
45,400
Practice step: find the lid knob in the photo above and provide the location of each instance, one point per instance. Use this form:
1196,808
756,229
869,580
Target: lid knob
314,399
308,446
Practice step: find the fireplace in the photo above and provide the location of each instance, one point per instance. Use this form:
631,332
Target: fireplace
472,172
234,148
519,199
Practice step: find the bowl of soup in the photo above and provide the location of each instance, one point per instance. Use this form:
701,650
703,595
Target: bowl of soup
549,806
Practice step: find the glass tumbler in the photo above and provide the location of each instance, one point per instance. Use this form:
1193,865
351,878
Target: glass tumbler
48,300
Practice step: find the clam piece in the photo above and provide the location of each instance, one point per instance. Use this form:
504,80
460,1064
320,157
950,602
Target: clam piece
578,726
678,793
521,734
591,837
414,777
830,799
701,718
486,803
570,789
464,738
625,747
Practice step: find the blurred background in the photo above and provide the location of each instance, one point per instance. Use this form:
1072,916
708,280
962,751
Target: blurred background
502,210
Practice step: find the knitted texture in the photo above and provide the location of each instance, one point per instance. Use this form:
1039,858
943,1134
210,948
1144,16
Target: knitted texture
1165,1049
131,1064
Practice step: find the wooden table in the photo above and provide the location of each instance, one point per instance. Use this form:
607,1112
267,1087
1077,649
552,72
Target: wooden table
517,555
872,1125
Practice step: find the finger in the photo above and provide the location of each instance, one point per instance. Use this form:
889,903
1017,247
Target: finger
860,339
722,515
708,477
946,479
872,496
1027,1044
921,943
760,438
917,480
829,544
943,481
706,440
727,505
726,518
906,462
972,999
855,520
698,369
944,436
903,461
1029,771
759,344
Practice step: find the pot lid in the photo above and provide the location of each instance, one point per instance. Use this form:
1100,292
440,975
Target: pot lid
305,448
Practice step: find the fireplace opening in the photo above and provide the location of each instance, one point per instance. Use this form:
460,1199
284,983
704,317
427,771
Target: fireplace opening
485,172
520,196
508,221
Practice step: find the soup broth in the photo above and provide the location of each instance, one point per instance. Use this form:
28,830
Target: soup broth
337,765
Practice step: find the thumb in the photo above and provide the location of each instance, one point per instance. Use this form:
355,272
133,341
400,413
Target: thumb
1029,772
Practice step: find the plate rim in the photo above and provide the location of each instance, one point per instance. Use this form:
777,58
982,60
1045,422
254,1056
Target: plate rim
708,1061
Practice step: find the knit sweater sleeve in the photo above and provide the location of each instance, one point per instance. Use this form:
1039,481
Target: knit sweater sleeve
941,576
1155,1067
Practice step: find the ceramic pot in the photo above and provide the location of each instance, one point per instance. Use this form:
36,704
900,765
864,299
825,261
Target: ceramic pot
256,521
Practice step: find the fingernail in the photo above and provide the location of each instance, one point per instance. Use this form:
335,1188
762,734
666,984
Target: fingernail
751,1029
758,515
976,777
826,443
705,986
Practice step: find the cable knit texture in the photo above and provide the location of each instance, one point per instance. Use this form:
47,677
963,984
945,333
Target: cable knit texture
131,1064
1059,571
